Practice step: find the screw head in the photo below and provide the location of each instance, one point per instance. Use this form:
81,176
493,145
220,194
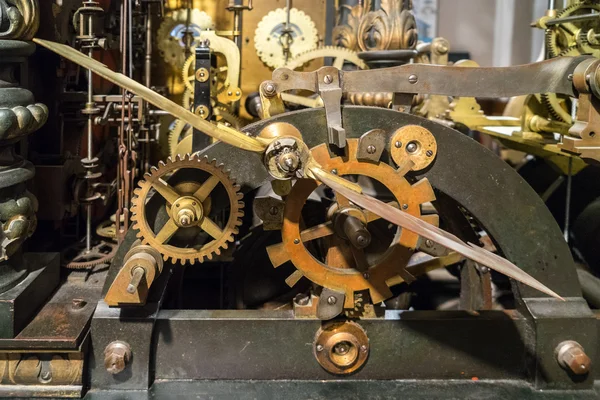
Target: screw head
429,153
405,206
412,147
429,243
334,171
273,210
398,144
412,79
364,348
371,149
319,347
331,300
296,241
328,79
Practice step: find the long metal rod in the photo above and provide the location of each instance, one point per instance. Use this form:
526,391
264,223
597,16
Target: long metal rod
573,18
90,148
568,200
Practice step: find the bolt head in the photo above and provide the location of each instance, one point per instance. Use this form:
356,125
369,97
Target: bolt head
371,149
429,153
116,357
429,243
328,79
412,79
398,144
331,300
405,206
411,147
570,356
273,210
319,347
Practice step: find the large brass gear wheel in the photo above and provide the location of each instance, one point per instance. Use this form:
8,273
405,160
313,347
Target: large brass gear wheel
190,233
171,32
269,33
338,270
340,55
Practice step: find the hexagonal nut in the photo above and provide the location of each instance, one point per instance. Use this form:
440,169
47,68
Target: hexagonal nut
116,357
571,356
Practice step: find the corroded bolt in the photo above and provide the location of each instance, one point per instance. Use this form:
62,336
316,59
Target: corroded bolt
371,149
186,217
328,79
116,357
570,356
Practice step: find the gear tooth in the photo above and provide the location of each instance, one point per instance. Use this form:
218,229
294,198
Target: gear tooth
225,245
209,256
161,164
240,196
192,261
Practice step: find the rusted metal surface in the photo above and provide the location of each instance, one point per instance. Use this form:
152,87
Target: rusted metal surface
62,323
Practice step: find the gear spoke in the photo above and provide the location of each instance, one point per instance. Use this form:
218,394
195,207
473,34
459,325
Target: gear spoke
167,231
317,232
206,188
166,191
211,228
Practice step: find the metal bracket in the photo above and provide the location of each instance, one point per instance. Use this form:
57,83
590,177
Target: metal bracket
329,88
202,90
331,304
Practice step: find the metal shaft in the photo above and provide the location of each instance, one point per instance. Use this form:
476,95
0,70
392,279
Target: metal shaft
574,18
137,275
90,149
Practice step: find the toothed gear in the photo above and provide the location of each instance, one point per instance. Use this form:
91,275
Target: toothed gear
269,31
101,253
219,75
562,37
568,40
339,54
336,270
197,196
181,130
171,30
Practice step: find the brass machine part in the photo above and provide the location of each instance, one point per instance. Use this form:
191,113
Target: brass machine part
456,81
41,369
230,52
340,55
413,144
270,39
342,276
187,209
341,348
141,266
117,356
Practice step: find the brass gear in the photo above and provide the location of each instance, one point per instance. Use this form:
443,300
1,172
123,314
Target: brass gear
339,54
188,207
169,34
338,272
181,130
269,33
562,37
568,40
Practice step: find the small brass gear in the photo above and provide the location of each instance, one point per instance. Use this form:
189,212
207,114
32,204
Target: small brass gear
269,35
339,54
337,268
190,234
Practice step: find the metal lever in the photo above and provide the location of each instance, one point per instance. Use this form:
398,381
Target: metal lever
137,275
